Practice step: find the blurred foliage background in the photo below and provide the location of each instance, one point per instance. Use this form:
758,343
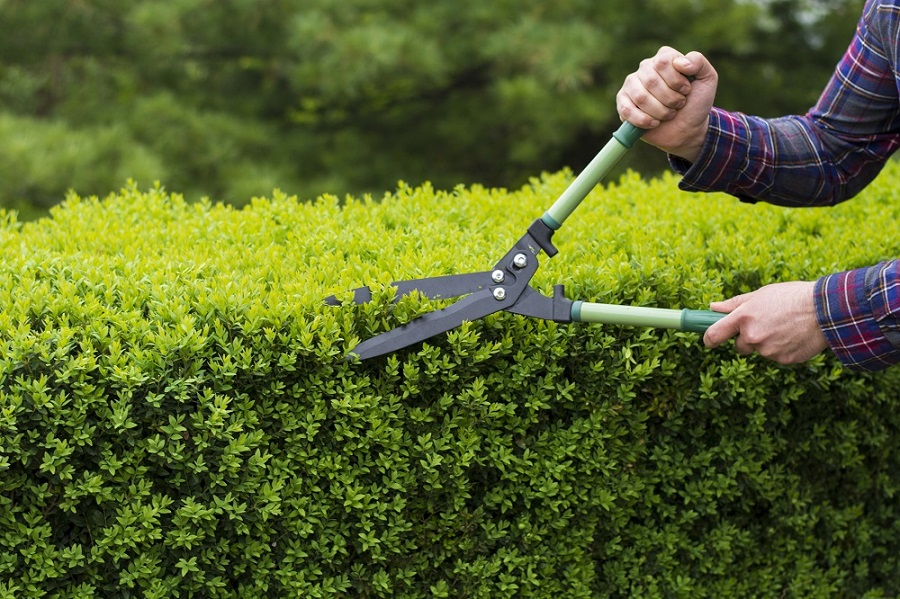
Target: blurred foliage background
232,98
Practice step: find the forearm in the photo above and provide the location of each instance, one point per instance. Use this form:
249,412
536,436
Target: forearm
790,161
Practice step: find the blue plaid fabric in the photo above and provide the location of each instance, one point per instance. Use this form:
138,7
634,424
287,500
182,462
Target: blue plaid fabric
822,158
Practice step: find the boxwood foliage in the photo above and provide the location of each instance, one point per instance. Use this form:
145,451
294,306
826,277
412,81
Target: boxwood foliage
177,418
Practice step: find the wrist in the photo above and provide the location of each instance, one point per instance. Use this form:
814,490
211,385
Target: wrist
693,145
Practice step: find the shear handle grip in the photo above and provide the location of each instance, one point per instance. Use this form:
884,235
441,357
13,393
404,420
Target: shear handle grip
628,134
696,321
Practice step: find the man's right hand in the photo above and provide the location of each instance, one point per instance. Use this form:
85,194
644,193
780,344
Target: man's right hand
660,98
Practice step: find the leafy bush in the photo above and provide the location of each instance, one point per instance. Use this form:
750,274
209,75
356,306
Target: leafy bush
177,418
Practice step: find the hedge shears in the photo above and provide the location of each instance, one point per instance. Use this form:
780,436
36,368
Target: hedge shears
506,287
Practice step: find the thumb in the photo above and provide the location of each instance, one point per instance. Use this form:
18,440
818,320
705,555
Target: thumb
720,332
694,64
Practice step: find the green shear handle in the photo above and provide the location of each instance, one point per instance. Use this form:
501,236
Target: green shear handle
622,141
684,320
695,321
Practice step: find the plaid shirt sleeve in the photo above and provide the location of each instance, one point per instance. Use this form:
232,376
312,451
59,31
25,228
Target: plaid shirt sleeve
819,159
859,312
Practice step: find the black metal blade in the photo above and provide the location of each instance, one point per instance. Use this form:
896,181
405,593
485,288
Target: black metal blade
473,307
446,286
443,287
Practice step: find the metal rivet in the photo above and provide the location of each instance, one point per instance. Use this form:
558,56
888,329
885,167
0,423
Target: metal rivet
499,294
520,260
497,276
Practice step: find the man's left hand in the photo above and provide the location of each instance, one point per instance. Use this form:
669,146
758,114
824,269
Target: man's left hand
777,322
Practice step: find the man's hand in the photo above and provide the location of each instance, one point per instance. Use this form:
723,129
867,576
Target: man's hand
660,98
778,322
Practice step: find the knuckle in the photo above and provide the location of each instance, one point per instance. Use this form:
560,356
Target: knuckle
654,84
753,338
640,96
660,62
767,353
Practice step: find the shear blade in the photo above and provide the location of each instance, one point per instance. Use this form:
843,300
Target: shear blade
444,287
473,307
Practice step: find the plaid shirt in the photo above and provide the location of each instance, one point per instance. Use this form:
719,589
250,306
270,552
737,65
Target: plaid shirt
820,159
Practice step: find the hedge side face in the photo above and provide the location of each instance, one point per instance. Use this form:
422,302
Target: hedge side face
177,418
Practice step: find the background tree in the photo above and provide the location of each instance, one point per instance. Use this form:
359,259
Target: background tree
231,98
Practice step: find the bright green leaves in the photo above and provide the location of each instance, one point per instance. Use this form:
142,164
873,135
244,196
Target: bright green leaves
177,417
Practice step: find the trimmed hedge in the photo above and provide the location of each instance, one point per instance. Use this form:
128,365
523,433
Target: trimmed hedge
177,418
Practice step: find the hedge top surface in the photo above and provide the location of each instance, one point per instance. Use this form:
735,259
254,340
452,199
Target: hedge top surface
284,254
